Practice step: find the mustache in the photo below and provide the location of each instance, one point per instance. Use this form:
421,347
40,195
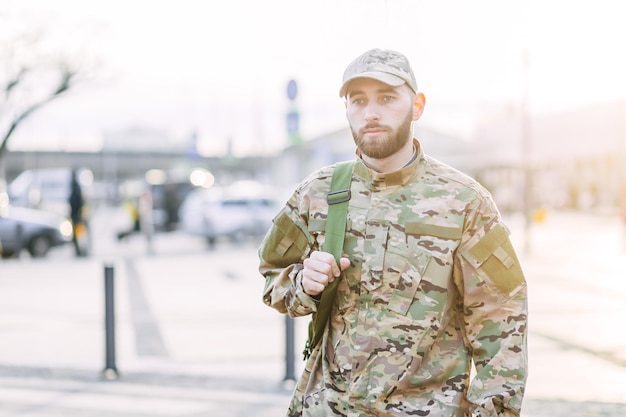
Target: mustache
373,126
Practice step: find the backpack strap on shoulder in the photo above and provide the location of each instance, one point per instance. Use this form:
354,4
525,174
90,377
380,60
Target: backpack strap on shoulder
337,198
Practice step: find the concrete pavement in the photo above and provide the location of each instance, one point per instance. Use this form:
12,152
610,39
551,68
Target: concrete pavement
194,339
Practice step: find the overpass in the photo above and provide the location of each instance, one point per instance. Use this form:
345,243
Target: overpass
118,166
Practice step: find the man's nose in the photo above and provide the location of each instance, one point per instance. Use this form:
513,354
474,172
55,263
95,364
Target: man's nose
372,112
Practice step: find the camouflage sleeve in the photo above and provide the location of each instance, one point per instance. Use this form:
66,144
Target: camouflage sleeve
284,247
490,278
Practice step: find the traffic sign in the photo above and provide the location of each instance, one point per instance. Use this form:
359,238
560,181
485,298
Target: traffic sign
292,90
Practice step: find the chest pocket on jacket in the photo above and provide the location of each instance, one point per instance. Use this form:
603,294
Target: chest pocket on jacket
417,253
403,267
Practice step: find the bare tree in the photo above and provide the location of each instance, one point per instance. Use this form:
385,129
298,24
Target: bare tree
33,71
64,83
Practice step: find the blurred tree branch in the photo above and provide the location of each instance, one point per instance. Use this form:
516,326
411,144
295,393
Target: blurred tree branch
65,82
40,61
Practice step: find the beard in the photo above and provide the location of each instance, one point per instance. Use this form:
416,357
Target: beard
387,145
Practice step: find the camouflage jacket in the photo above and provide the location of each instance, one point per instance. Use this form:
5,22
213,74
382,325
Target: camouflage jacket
434,284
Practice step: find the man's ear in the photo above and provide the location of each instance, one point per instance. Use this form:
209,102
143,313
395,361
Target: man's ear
418,106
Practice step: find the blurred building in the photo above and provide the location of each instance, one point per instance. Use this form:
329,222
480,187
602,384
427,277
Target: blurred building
576,158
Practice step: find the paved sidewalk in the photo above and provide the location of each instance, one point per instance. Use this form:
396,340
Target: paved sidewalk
194,339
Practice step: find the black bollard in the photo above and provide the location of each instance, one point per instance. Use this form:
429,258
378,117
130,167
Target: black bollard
290,350
110,368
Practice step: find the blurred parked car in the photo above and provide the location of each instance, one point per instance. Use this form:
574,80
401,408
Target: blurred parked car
37,231
228,213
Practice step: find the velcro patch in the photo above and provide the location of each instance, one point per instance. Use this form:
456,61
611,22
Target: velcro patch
444,232
286,243
495,257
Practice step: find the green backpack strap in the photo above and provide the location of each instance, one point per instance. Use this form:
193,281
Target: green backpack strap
337,199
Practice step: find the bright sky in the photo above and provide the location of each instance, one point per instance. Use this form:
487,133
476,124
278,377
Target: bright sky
220,68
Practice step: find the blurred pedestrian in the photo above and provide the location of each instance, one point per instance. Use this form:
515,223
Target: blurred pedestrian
131,205
171,203
428,283
146,219
77,202
140,208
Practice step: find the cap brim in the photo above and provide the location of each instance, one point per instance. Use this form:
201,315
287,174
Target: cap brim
384,77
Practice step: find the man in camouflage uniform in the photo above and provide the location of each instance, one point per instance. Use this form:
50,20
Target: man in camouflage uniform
428,284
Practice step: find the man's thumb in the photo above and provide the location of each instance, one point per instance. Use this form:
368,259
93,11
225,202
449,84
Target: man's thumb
344,263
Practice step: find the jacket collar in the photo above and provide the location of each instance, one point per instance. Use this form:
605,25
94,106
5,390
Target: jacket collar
402,176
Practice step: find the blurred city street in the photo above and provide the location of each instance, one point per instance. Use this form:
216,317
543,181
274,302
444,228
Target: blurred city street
193,337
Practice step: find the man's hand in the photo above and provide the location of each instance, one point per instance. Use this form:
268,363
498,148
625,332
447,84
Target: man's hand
320,269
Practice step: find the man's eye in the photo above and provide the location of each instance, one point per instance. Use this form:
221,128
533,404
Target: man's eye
358,101
388,98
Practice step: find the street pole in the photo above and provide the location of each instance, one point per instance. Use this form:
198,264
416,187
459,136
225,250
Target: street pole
526,151
293,133
290,349
621,166
110,368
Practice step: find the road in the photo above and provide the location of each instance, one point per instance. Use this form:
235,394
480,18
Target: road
194,339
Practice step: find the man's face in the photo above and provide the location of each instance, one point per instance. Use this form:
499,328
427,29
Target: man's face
380,116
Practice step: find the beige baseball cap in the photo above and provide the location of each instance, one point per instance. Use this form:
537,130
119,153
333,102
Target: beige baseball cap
389,67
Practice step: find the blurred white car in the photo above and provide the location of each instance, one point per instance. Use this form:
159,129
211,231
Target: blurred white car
37,231
237,212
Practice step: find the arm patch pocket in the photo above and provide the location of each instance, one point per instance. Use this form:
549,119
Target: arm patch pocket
286,244
495,257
